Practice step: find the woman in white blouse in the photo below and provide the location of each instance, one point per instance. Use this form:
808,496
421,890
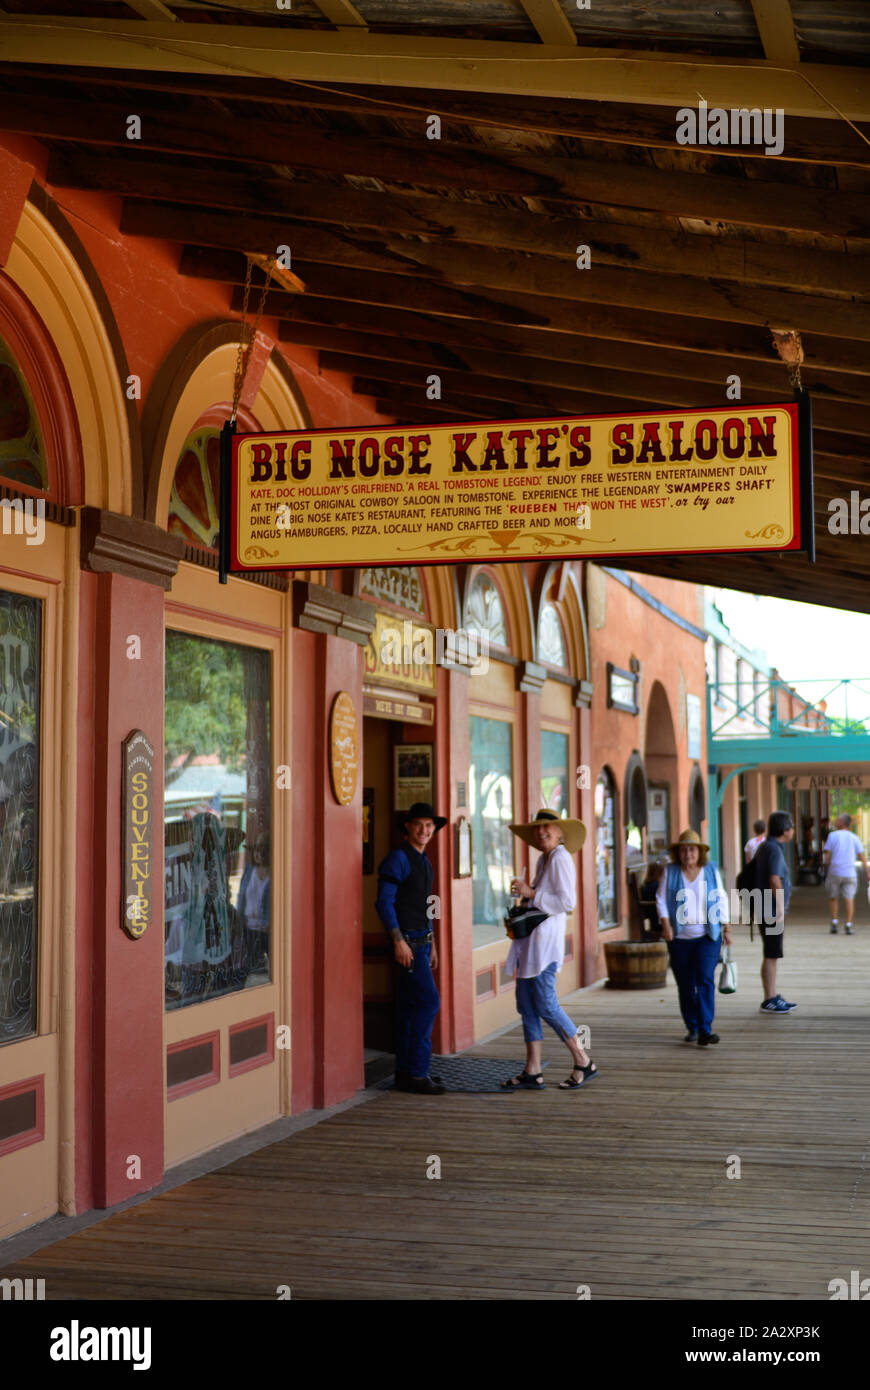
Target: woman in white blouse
693,909
537,959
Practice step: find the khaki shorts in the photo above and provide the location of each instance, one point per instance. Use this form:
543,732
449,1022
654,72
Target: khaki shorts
839,886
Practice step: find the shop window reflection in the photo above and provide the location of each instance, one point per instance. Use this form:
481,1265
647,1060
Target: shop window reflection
491,808
217,815
20,646
555,794
22,451
605,850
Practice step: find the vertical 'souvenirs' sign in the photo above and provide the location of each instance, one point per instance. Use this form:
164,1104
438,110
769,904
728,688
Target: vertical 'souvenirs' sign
652,483
137,831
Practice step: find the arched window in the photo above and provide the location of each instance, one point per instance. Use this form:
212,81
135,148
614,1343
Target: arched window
605,850
22,451
551,639
484,612
636,797
193,503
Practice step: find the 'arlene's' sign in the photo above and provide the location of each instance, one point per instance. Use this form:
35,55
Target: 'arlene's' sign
680,482
137,829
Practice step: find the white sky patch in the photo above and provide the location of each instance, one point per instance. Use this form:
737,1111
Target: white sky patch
813,648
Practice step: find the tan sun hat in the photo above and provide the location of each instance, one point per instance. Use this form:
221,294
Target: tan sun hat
689,837
573,831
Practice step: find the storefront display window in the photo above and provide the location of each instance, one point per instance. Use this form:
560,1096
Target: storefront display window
217,818
491,806
20,647
605,850
555,793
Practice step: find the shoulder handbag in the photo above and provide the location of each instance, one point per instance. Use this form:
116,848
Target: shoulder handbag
728,973
521,921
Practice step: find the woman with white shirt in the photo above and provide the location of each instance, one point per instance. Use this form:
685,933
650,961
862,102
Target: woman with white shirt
537,959
693,909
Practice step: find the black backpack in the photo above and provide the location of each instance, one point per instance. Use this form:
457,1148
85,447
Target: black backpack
746,881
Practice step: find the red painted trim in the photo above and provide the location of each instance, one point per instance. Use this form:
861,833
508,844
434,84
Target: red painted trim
244,623
503,988
262,1059
197,1083
490,971
27,1136
28,574
85,897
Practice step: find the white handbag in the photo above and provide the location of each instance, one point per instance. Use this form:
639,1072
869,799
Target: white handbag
728,973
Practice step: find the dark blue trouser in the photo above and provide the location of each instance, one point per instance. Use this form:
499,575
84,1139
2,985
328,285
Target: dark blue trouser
693,962
417,1004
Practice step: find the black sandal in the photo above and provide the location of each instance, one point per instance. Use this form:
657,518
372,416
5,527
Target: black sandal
589,1072
526,1081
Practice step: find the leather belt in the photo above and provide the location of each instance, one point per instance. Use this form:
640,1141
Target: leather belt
419,941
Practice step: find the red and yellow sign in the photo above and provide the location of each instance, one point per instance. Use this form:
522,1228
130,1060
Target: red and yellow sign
678,482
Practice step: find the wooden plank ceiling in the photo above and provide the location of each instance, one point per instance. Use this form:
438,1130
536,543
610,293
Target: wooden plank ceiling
457,255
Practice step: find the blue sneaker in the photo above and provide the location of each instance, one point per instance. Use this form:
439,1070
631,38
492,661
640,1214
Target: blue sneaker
777,1005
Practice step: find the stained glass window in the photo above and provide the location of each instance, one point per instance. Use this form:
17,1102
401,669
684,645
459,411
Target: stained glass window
22,452
193,502
217,818
551,639
20,646
484,612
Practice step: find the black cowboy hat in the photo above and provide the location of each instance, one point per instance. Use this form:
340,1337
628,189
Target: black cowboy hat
421,810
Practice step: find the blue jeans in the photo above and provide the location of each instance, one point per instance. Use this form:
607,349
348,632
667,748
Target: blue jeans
693,962
536,1000
417,1004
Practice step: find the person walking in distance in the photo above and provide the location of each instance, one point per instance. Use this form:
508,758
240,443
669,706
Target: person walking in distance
759,828
404,889
692,909
772,877
842,848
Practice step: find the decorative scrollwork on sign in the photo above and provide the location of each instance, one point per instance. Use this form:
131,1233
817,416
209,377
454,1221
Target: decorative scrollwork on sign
770,532
259,552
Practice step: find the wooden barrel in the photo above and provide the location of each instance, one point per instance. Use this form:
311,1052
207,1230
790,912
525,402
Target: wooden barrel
636,964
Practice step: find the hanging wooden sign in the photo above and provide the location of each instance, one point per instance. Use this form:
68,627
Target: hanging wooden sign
652,483
343,748
137,830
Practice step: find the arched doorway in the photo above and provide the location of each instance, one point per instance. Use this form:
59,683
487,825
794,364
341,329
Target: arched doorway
660,758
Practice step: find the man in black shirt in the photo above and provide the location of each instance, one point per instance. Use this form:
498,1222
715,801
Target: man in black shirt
772,877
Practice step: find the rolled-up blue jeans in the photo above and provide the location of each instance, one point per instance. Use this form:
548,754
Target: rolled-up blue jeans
536,1000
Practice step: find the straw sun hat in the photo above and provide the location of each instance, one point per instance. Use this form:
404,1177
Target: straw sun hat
573,831
690,837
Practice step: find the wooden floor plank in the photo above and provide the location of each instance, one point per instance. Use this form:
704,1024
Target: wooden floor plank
623,1188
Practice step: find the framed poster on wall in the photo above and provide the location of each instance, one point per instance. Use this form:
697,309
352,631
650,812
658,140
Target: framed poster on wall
413,774
658,819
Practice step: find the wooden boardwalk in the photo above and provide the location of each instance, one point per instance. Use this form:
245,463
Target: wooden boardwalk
623,1189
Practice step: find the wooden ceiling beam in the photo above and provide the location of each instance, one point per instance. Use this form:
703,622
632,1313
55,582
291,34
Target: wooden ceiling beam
776,29
563,365
807,140
550,21
205,135
550,296
467,225
626,391
341,13
832,363
403,60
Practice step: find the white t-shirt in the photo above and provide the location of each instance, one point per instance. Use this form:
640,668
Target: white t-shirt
752,845
555,886
844,848
692,904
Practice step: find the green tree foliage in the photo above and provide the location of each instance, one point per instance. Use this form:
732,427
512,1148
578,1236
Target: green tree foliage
205,703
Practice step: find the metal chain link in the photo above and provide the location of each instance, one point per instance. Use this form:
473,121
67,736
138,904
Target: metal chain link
247,336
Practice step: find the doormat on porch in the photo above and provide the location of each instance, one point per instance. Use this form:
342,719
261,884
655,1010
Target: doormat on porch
469,1074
